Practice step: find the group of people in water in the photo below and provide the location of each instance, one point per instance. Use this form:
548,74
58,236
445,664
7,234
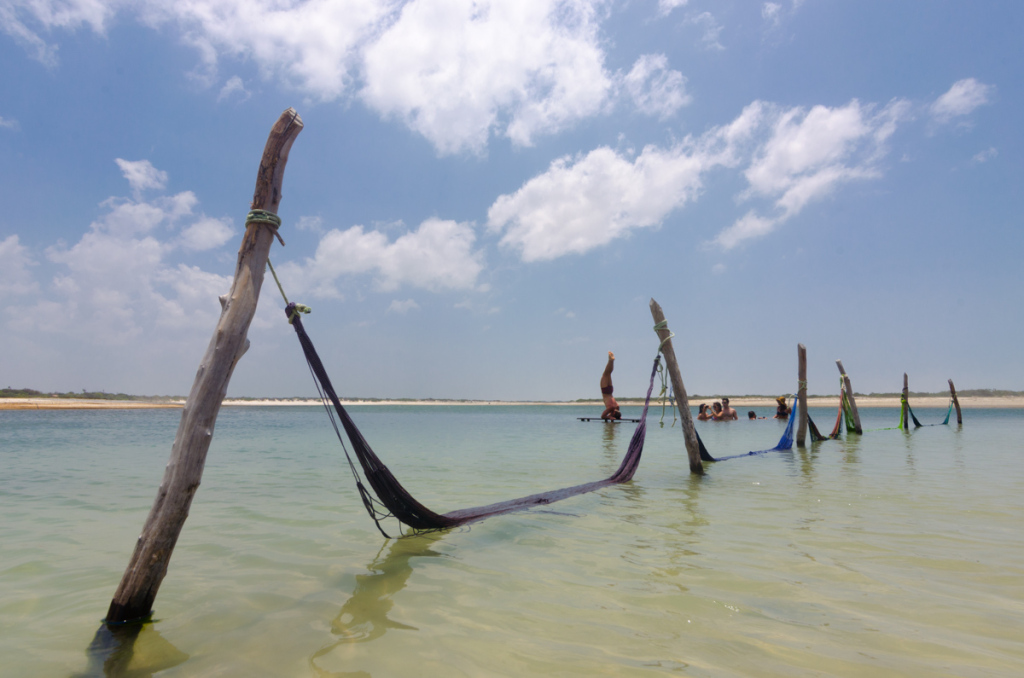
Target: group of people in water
720,411
717,411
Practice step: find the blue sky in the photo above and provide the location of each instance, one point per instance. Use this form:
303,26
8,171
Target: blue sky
486,194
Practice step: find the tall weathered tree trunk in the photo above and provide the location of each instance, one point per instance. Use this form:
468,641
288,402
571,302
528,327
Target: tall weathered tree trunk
956,403
849,395
801,429
134,597
682,401
905,403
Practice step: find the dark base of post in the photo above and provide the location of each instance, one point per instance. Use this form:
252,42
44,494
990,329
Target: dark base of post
119,615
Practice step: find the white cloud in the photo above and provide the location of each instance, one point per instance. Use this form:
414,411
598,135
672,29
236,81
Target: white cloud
234,87
438,255
207,233
141,175
666,6
585,202
455,70
402,307
118,282
986,155
312,46
961,99
15,277
712,29
808,155
8,123
770,12
47,15
307,223
655,89
750,225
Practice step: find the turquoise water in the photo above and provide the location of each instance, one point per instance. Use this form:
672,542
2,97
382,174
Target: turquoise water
893,554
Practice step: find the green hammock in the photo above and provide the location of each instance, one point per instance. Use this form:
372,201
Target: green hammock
918,424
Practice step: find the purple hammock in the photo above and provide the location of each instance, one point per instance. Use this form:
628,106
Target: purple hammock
397,501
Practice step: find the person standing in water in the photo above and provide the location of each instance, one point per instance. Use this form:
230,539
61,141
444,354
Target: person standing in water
611,407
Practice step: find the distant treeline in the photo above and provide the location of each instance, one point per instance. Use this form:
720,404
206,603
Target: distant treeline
86,395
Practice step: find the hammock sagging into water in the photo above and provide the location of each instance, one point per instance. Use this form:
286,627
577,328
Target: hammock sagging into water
844,412
917,424
396,501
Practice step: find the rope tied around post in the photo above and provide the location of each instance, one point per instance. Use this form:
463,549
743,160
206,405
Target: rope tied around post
265,218
663,325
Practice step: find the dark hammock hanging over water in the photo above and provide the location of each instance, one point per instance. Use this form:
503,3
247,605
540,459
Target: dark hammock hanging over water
396,499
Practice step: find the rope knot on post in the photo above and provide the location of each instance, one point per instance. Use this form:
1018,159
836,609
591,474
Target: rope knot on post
663,325
265,218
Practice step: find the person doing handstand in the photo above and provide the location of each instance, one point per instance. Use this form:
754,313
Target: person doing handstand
611,407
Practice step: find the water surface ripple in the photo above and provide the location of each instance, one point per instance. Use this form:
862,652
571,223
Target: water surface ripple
893,554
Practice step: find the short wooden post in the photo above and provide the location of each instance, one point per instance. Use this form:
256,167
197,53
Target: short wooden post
849,395
682,401
905,404
956,403
801,370
134,597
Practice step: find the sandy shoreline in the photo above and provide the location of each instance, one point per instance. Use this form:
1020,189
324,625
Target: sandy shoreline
967,402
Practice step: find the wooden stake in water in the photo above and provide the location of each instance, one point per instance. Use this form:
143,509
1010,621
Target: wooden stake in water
849,396
682,401
801,371
956,403
141,581
905,404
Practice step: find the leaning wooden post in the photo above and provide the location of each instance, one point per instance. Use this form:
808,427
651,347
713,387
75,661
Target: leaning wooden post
682,401
956,403
905,404
801,429
133,600
849,395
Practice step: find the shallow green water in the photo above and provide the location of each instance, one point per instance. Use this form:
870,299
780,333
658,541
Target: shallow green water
893,554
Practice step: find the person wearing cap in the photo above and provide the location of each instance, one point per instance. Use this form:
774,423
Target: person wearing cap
728,413
782,411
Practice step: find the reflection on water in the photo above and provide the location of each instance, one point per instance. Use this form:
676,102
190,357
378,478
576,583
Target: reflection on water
608,436
364,616
129,651
851,454
843,559
806,456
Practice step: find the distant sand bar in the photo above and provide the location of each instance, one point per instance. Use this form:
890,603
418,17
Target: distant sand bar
968,402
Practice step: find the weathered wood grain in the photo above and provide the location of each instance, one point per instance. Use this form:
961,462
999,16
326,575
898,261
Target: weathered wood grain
683,402
137,591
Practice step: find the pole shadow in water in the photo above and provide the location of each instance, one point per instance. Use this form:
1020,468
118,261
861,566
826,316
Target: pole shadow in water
807,456
851,453
364,616
134,650
608,440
